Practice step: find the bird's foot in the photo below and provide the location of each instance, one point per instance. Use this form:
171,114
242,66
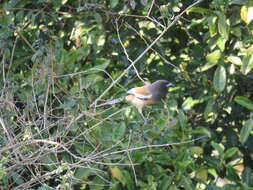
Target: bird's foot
148,121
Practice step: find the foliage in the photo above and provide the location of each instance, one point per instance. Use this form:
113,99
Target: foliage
60,57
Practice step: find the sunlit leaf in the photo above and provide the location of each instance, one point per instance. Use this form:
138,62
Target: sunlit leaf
212,25
197,150
201,10
144,2
132,4
218,147
247,64
189,103
212,60
202,174
234,60
230,152
221,43
245,102
245,131
223,26
247,12
116,173
219,80
114,3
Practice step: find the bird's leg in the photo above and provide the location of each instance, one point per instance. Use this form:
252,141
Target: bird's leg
144,118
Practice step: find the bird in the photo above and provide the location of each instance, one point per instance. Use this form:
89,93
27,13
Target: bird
150,93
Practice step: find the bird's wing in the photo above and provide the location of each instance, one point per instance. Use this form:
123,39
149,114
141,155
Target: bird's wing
140,92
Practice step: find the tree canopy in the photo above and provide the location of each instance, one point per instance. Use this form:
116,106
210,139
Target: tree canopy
62,58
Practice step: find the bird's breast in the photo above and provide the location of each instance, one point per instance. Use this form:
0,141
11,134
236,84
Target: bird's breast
138,102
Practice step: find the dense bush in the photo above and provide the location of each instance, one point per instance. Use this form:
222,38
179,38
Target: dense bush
61,58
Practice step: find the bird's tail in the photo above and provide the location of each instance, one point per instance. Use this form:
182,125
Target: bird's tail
111,102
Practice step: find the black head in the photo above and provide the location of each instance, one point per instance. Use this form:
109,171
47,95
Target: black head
163,83
159,89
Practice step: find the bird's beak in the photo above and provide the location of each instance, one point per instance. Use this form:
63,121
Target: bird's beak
170,85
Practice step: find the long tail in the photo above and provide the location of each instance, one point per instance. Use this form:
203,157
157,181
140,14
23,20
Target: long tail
111,102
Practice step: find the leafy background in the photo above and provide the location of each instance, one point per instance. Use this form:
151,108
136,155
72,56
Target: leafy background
60,57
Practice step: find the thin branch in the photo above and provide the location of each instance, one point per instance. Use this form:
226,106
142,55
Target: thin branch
147,146
125,51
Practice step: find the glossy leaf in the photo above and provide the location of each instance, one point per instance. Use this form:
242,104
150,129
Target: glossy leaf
212,25
212,60
247,12
218,147
235,60
247,64
245,131
221,43
114,3
230,152
219,80
223,26
201,10
247,176
245,102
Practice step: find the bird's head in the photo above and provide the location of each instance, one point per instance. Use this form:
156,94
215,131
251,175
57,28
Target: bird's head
163,83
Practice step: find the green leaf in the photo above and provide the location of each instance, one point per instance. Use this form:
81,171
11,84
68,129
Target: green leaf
245,131
187,183
209,109
117,173
247,12
212,25
82,173
247,64
212,60
129,179
219,79
166,182
218,147
223,27
202,130
101,65
119,131
230,152
45,187
246,175
182,119
221,43
17,178
201,10
245,102
189,103
234,60
114,3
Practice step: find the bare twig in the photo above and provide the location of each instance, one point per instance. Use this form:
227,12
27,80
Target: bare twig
147,146
125,51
